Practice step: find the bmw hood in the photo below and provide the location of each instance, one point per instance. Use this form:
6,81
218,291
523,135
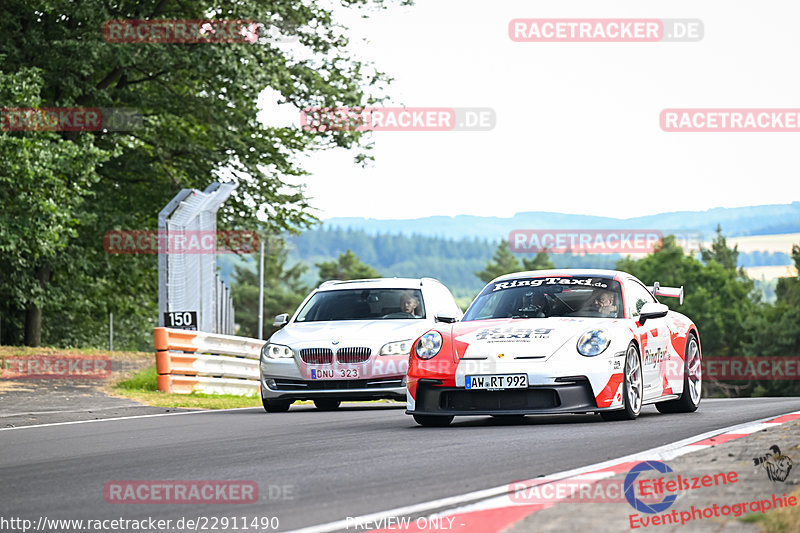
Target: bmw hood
350,332
537,338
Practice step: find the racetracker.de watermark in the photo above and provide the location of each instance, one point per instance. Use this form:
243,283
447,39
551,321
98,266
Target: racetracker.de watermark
644,489
775,368
184,242
605,30
172,492
182,31
55,367
730,120
69,119
323,119
597,241
572,490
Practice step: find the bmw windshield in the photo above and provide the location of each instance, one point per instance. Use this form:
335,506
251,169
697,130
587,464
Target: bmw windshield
363,304
548,296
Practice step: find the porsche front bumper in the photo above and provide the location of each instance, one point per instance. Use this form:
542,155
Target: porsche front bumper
573,396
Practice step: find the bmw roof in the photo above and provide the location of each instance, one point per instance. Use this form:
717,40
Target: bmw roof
377,283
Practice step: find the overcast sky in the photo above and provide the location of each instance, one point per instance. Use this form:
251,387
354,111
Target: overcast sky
577,123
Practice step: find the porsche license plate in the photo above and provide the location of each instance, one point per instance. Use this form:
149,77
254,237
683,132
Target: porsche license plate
497,382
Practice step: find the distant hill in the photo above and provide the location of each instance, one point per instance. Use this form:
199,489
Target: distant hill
452,261
735,221
452,249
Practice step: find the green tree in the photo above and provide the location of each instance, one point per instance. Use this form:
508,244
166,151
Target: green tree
503,262
199,109
717,299
775,331
283,291
347,266
44,183
541,261
719,252
788,289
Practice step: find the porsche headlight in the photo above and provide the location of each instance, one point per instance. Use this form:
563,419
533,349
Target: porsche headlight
276,351
397,347
429,345
593,342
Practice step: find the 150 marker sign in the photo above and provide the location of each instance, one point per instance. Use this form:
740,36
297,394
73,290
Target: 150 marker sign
181,320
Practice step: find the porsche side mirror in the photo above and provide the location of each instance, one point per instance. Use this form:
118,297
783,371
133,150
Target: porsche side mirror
446,317
652,310
281,320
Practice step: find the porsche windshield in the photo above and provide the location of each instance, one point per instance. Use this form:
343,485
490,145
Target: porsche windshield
546,297
363,304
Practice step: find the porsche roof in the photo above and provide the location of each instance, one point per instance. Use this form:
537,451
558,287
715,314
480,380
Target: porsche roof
595,272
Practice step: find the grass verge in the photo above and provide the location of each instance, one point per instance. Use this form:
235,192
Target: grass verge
141,387
783,520
27,351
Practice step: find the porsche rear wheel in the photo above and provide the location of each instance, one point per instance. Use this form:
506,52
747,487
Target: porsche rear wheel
433,420
692,381
632,388
327,404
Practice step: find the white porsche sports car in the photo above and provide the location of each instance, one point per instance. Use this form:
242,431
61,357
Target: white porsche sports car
558,341
350,340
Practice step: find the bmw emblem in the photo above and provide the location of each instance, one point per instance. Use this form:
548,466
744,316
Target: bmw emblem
334,341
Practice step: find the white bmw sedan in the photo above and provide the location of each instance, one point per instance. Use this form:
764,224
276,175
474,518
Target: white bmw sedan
351,340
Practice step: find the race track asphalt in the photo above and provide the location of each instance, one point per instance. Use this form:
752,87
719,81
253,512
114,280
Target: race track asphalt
314,467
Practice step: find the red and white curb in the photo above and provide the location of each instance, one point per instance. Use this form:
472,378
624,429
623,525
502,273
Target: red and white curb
494,510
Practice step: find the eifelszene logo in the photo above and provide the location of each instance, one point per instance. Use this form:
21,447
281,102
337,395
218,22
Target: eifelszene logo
636,503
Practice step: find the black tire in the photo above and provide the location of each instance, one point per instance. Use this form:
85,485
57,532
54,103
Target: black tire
327,404
433,420
509,419
692,381
632,388
276,406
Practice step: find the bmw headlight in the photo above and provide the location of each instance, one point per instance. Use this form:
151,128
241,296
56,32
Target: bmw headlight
276,351
397,347
593,342
429,345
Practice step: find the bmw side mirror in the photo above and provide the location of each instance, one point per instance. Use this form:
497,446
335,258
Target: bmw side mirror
446,317
652,310
281,320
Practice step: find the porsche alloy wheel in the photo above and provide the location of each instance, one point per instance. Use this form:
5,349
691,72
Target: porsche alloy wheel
692,381
632,388
693,374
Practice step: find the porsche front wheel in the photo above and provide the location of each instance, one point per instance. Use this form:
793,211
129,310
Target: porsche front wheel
632,388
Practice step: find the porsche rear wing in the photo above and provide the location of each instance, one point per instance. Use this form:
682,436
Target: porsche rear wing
671,292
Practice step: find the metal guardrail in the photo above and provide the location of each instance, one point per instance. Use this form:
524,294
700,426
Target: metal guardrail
194,361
